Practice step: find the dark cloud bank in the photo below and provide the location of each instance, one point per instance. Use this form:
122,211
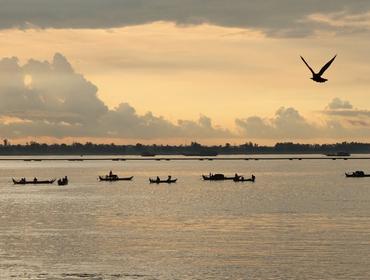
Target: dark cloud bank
51,99
274,17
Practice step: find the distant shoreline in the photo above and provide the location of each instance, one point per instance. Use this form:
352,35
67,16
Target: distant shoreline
194,149
268,157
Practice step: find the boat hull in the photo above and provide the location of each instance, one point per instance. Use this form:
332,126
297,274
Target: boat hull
113,179
217,178
356,176
153,181
40,182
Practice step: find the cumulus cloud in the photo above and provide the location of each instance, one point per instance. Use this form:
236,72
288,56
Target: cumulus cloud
340,120
287,123
344,112
338,103
53,92
50,99
277,18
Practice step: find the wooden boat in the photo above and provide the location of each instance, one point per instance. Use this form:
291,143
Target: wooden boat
357,174
242,179
114,178
63,181
167,181
338,154
217,177
33,182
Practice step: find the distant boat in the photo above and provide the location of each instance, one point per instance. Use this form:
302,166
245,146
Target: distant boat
32,182
114,178
217,177
357,174
338,154
147,154
63,181
111,177
159,181
201,154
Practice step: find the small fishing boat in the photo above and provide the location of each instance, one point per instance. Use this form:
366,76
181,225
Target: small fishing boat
35,181
159,181
218,177
357,174
63,181
242,179
114,177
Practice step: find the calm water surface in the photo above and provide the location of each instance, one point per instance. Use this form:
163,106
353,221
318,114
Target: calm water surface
299,220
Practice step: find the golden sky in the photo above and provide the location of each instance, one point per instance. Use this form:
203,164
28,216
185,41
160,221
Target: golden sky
222,71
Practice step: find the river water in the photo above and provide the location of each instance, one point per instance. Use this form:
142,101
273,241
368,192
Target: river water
299,220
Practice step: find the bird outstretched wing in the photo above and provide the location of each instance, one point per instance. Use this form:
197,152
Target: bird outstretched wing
313,73
326,66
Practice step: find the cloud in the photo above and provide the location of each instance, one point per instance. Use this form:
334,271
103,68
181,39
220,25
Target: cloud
50,99
341,121
344,112
53,92
276,18
287,123
338,103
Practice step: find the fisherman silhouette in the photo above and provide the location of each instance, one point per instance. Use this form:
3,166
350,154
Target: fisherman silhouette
317,76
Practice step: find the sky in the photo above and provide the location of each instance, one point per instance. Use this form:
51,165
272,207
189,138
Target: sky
176,71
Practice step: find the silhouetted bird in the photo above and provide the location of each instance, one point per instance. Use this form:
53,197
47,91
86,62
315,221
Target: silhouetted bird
317,77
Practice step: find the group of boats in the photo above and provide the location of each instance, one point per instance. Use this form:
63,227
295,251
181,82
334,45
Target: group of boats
111,177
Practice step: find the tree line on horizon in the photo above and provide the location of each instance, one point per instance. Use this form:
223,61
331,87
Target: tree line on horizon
89,148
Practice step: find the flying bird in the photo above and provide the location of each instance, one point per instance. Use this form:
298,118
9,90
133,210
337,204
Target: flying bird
317,76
